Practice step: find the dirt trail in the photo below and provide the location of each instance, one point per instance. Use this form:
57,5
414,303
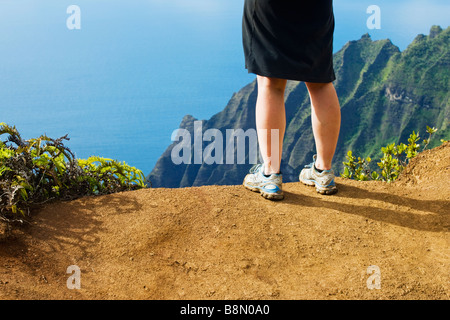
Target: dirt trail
229,243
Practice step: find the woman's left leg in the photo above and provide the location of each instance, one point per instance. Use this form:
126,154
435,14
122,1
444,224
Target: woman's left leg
271,118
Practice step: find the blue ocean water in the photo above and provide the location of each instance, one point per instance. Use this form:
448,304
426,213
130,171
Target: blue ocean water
122,83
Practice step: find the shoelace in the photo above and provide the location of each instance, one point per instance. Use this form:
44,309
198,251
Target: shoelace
309,165
255,168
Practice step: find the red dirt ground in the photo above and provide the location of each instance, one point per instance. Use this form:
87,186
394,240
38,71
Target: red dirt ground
219,242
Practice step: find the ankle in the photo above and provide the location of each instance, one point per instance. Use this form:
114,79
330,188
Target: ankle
320,166
269,171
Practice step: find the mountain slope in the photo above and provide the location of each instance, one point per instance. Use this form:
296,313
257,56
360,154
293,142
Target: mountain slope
385,94
225,242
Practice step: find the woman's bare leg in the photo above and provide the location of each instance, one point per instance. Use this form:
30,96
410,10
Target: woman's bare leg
326,121
270,115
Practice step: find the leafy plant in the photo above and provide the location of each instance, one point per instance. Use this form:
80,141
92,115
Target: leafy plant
395,159
38,170
356,168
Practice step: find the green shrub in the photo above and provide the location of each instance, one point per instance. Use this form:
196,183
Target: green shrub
395,159
38,170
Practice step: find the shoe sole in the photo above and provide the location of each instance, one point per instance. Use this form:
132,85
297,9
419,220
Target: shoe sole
266,195
322,190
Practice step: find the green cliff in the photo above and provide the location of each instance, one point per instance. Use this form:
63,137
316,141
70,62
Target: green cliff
384,94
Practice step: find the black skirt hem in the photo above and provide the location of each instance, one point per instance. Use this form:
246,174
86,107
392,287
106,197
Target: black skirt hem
294,77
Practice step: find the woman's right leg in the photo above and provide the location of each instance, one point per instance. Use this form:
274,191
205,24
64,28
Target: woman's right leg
326,121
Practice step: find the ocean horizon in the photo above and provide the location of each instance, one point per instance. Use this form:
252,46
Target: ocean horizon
121,84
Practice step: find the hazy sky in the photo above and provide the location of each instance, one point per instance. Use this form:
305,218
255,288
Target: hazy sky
134,61
401,20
